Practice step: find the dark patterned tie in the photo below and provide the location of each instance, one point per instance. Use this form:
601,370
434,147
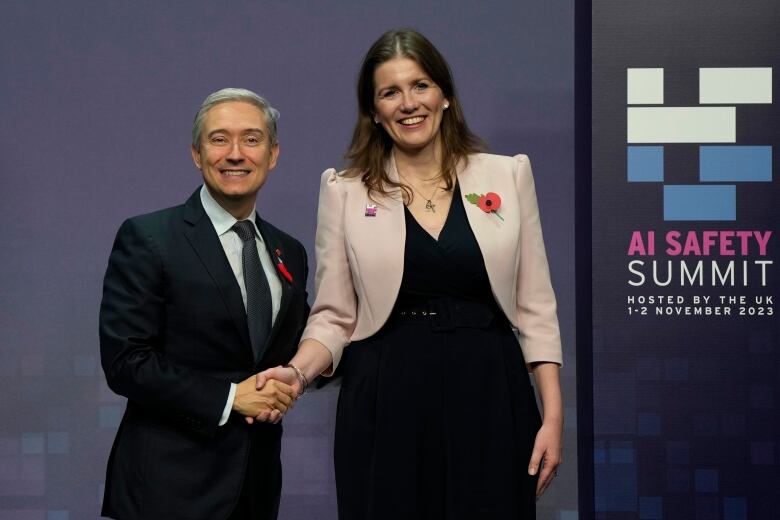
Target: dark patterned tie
258,294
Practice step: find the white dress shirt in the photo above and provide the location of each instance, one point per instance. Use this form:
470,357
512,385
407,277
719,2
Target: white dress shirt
232,244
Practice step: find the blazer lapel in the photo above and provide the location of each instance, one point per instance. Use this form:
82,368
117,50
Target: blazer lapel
204,240
497,238
376,248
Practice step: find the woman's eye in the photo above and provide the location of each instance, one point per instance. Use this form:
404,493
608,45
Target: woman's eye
421,86
388,93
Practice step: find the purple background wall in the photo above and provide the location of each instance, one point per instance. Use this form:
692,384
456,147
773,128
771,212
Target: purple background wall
97,100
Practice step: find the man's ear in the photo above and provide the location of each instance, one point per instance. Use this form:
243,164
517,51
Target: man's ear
195,156
274,156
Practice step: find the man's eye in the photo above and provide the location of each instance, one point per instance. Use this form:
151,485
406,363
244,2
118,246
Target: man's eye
218,140
252,140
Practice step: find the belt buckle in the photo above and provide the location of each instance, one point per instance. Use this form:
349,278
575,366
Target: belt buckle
441,316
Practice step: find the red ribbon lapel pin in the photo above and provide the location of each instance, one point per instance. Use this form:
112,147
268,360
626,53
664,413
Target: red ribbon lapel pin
281,267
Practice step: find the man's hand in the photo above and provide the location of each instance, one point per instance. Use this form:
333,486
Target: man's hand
278,375
267,403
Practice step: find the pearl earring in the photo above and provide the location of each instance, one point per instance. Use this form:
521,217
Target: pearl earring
446,106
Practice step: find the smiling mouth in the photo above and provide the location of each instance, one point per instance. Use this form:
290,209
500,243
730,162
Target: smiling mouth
409,121
234,173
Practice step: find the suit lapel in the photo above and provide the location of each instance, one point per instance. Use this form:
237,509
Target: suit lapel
272,244
204,240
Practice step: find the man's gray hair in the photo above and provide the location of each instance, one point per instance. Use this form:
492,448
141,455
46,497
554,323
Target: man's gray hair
234,94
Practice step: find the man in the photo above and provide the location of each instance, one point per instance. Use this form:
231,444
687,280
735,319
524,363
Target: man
196,300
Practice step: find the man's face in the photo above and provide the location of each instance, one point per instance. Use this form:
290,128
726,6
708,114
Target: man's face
235,153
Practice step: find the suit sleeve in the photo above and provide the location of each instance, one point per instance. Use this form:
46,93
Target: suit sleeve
304,282
332,318
132,350
537,320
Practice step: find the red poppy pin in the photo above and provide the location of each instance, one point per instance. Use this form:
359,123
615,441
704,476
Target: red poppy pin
489,202
280,265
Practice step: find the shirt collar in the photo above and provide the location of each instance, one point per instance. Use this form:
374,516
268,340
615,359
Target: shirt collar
220,218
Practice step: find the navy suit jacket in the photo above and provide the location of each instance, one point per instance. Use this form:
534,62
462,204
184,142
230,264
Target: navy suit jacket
173,336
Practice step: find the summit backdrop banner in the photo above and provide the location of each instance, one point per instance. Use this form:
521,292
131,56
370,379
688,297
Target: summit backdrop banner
685,192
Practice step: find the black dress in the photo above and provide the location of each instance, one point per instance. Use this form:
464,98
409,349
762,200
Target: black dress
436,416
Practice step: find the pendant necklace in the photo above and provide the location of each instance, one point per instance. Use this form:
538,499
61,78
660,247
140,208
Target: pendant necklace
429,205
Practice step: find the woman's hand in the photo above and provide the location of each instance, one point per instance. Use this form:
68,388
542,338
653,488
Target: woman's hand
267,403
311,359
546,454
286,375
268,380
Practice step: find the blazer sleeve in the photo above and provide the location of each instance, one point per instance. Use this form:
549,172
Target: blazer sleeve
333,315
132,320
537,321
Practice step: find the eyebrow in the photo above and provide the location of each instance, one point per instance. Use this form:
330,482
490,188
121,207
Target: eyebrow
411,82
244,132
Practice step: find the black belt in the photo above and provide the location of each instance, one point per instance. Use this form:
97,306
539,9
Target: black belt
447,314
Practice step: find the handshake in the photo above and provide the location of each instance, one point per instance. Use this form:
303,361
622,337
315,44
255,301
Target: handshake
268,395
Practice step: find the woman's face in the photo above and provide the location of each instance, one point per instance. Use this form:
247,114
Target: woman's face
408,104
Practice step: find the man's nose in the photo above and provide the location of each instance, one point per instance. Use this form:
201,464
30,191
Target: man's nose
234,153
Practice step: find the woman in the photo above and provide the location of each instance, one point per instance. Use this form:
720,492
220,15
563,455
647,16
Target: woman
429,254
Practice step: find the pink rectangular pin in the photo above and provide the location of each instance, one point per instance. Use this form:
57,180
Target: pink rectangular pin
371,210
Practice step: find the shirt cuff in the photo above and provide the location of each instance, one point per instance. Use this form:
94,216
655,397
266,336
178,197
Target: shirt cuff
228,405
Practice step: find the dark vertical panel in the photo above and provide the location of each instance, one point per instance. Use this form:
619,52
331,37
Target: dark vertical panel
583,234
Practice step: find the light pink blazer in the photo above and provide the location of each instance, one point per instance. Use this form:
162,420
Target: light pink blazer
360,259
